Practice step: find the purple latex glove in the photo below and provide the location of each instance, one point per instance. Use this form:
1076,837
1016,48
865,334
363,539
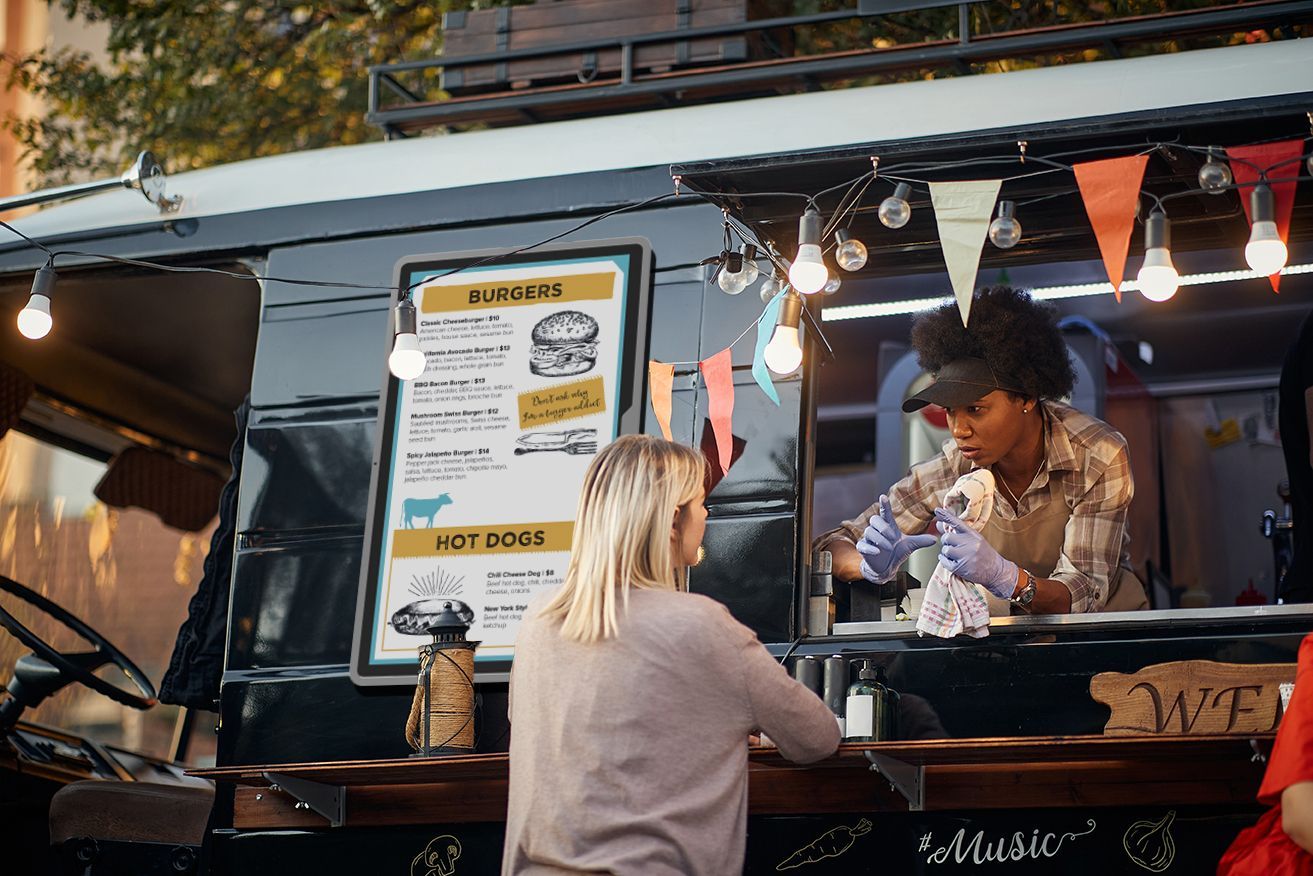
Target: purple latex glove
884,547
967,555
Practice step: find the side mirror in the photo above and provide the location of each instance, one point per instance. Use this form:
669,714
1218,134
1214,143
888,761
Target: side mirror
184,496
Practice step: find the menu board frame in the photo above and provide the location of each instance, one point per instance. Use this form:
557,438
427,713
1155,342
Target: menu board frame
627,399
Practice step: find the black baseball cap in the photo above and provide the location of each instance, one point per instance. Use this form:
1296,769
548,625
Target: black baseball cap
960,382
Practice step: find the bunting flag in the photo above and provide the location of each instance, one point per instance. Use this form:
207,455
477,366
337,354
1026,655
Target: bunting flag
660,379
765,328
963,210
718,373
1263,156
715,474
1111,192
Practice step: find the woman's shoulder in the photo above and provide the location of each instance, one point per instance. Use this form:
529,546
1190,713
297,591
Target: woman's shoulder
1087,433
691,610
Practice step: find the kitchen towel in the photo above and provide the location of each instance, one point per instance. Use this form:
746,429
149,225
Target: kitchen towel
953,606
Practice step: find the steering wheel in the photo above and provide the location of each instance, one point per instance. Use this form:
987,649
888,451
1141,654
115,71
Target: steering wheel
69,665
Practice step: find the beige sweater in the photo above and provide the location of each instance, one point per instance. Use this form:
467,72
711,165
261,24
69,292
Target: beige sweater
629,756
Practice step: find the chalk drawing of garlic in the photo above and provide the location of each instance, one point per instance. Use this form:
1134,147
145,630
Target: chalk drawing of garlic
1149,843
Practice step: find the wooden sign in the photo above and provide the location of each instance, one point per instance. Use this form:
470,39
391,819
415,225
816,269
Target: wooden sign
1193,697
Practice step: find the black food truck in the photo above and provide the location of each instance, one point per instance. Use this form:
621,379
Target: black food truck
213,403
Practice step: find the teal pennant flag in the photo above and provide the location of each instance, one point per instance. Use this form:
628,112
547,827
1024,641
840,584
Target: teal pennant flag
765,328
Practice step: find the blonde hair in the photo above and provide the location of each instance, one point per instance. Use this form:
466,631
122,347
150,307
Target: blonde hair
622,532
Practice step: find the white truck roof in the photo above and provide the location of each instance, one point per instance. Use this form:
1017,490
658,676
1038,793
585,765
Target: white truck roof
764,126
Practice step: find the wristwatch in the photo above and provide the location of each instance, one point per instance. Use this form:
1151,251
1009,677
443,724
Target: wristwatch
1027,595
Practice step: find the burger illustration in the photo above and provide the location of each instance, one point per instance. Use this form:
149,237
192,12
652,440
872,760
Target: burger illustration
564,343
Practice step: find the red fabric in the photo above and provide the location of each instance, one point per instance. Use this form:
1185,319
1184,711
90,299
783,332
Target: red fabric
1264,849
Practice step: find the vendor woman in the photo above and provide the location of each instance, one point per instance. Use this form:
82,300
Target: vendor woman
1056,541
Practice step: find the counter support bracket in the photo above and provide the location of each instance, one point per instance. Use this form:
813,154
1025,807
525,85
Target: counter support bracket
905,778
327,800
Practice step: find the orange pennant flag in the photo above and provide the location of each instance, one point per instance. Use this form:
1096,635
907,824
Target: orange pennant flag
718,372
1111,190
1246,161
660,378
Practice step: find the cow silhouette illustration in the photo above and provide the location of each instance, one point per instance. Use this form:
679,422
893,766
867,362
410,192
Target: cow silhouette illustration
422,509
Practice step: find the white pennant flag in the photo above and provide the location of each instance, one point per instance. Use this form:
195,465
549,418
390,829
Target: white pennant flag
963,210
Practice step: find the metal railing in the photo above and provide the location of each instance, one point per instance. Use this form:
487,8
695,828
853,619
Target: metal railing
416,111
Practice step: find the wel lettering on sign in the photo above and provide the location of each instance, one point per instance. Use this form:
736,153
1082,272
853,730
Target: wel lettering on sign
1193,697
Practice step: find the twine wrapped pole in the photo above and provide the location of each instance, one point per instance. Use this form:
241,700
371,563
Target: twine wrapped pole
442,713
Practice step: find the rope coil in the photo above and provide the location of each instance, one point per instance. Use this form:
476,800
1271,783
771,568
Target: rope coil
448,720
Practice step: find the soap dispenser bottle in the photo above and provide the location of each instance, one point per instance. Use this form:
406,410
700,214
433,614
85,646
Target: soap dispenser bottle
865,697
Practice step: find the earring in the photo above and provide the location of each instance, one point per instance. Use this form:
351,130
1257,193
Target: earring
1025,410
702,555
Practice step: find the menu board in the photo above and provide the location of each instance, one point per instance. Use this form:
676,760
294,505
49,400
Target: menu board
533,364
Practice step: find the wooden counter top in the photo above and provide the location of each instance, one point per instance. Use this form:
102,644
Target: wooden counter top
1009,772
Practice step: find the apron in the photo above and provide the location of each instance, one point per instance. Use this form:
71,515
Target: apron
1034,542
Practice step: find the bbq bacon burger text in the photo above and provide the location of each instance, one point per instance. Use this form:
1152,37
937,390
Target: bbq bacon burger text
564,343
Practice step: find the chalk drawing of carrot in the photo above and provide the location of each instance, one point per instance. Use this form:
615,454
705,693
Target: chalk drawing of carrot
830,844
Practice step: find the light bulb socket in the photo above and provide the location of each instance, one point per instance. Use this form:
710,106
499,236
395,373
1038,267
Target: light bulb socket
405,316
790,310
1157,231
809,228
1007,209
748,252
902,190
842,236
1261,205
43,283
733,261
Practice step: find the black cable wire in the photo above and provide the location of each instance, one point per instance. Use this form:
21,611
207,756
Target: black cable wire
499,256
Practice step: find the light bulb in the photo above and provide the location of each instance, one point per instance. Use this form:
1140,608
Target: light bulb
750,268
851,252
1266,251
770,288
1157,279
894,210
1005,230
808,273
406,361
34,320
832,285
783,354
732,283
1214,176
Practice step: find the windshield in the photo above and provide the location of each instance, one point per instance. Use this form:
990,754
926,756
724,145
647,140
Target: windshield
121,570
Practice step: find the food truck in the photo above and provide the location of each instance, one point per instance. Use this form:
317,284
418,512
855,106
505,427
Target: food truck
220,348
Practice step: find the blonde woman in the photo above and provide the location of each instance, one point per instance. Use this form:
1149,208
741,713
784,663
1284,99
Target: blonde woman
632,700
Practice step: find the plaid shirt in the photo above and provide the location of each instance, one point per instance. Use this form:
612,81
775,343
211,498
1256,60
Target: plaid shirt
1086,455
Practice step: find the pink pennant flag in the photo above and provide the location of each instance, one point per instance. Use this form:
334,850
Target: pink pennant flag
660,378
718,373
963,211
1264,156
1111,189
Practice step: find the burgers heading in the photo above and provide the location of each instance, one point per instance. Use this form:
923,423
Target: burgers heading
573,287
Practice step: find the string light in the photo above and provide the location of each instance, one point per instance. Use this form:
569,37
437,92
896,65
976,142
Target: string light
831,285
739,270
808,273
850,252
406,361
1158,279
894,210
783,354
1214,176
1266,251
34,320
1005,230
770,287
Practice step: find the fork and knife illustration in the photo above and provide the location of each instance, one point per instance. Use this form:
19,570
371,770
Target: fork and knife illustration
572,441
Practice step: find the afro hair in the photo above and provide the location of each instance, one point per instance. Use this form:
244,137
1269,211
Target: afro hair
1015,334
